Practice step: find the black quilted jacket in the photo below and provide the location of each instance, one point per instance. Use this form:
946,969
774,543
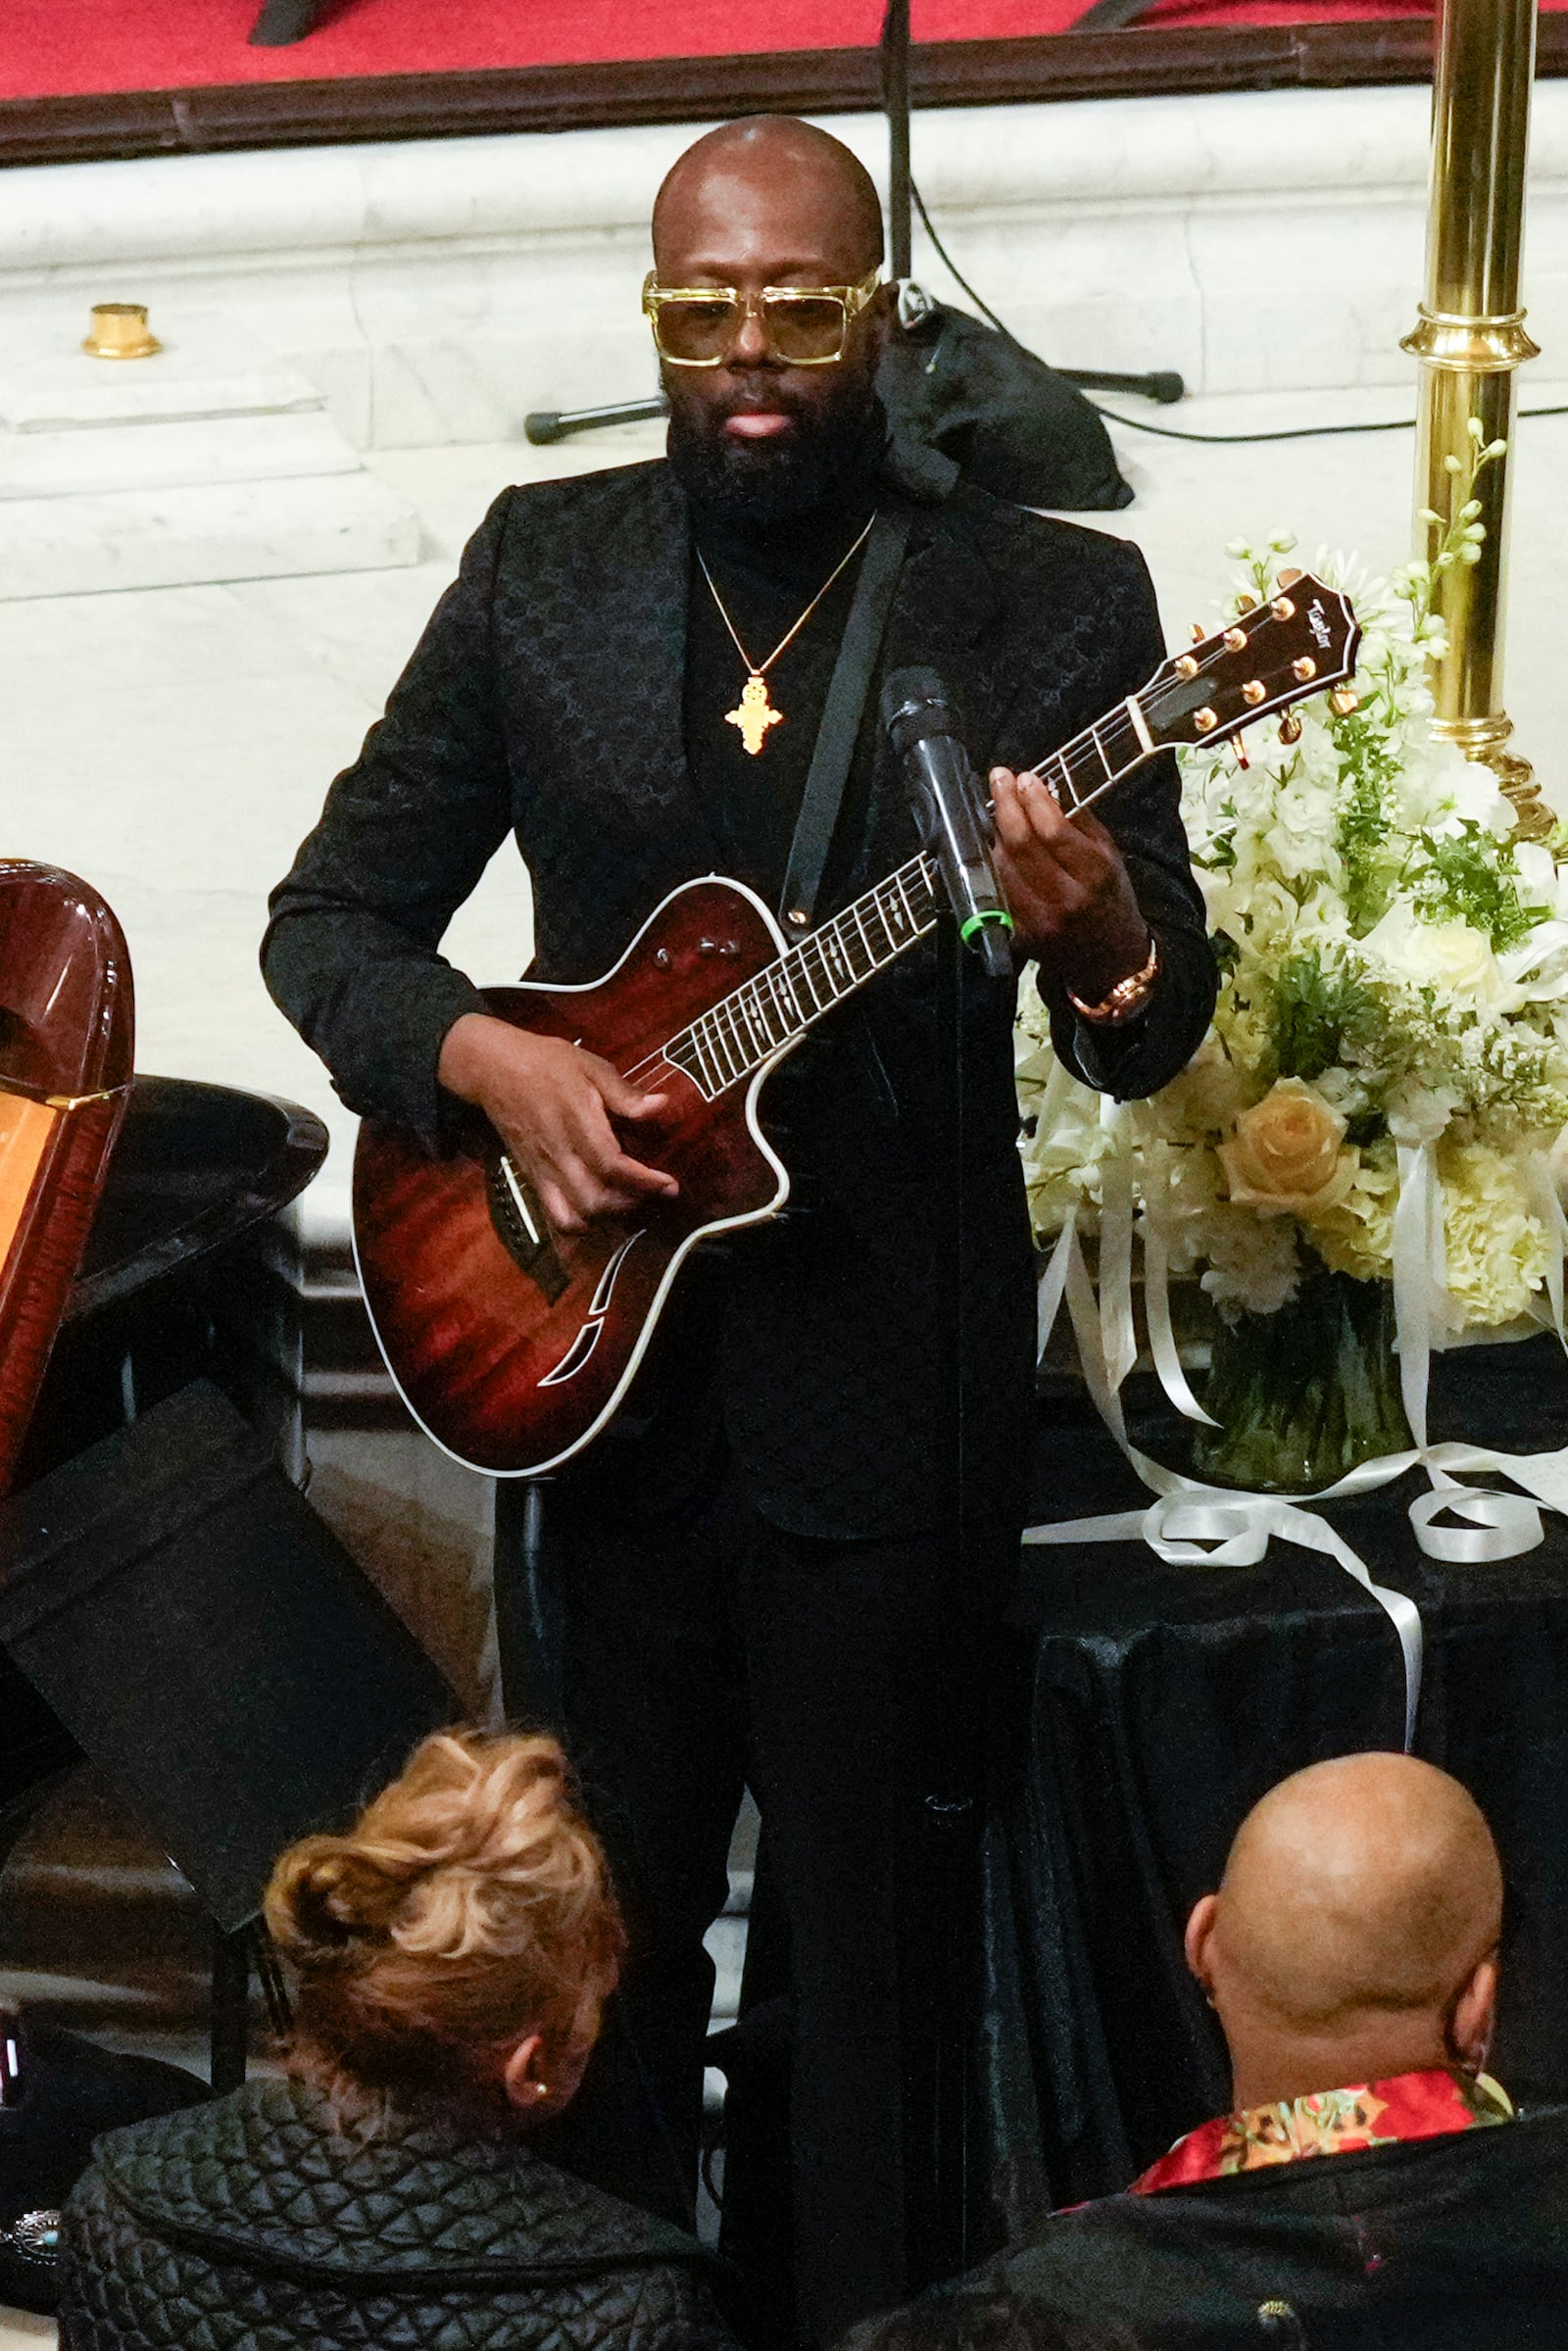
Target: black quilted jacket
251,2225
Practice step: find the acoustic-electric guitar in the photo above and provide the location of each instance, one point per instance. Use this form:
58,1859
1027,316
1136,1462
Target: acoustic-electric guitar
511,1342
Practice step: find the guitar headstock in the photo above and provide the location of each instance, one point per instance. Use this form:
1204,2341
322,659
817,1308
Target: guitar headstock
1302,643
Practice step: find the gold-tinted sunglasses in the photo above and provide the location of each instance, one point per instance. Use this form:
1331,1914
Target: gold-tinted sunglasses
808,327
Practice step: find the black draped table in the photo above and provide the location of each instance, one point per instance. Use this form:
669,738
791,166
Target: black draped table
1162,1703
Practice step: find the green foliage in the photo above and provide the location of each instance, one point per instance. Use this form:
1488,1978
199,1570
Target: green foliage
1308,1012
1364,819
1471,879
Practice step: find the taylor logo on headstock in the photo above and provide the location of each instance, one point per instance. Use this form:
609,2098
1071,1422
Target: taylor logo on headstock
1303,641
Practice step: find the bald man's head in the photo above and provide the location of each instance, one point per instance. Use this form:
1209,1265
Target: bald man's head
776,175
1361,1904
772,202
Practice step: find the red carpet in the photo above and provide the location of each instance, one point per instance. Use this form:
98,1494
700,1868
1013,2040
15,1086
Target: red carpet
57,48
64,47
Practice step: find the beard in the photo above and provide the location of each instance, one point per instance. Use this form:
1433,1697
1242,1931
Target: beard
829,458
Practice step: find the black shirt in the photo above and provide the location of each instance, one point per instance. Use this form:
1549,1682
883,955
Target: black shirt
767,580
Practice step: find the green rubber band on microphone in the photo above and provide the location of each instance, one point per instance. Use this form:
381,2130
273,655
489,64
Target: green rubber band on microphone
977,922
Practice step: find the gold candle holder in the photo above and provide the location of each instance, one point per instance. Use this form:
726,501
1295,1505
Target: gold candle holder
1470,339
119,331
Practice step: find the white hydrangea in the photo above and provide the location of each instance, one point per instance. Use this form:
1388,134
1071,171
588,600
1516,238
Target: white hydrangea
1386,938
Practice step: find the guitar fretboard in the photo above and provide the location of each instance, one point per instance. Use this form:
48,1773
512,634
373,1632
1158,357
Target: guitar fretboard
759,1019
1100,757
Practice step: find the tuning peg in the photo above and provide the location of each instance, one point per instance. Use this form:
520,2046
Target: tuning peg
1197,632
1186,667
1290,728
1234,640
1304,669
1289,577
1254,692
1206,721
1240,748
1345,700
1283,609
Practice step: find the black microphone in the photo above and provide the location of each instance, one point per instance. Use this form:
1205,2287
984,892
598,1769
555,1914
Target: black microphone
920,719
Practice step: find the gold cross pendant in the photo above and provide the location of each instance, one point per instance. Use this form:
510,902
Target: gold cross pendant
753,715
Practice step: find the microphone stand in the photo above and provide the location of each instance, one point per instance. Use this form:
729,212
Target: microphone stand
949,1829
893,59
941,1966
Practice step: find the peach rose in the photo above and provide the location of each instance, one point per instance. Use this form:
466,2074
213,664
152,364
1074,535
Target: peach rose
1287,1156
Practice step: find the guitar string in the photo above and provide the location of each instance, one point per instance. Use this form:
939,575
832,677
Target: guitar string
1151,702
914,868
1085,739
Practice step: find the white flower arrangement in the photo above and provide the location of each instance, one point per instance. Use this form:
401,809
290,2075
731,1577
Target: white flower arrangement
1393,966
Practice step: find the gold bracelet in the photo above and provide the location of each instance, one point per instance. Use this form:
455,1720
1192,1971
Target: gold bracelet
1128,996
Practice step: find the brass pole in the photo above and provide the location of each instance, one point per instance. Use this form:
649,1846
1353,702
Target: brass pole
1469,339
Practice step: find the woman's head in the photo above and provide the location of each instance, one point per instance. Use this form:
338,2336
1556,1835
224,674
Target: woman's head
460,1941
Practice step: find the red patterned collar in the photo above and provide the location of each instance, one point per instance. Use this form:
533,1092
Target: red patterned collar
1331,2122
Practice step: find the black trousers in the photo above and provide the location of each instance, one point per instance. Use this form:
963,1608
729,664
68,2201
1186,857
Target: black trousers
685,1657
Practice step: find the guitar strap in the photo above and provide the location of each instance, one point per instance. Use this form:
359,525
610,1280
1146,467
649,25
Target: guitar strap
841,712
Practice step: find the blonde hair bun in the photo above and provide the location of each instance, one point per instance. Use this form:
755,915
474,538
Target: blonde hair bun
469,1905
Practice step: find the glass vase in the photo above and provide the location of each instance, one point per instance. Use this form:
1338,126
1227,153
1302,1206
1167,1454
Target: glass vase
1303,1394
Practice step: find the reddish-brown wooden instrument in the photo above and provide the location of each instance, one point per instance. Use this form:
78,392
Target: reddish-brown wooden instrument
513,1343
66,1042
474,1311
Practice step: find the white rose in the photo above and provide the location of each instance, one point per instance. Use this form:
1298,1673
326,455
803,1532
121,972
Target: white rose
1538,874
1449,956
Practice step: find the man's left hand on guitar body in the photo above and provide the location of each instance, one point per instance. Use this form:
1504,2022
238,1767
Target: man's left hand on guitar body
1071,898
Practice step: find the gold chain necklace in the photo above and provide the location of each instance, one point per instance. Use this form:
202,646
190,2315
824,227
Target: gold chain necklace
753,714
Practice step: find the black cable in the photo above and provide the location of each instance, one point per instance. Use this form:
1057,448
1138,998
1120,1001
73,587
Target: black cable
1291,433
953,269
1168,432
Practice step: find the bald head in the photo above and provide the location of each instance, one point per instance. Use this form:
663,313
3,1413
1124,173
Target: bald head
772,202
776,179
1361,1901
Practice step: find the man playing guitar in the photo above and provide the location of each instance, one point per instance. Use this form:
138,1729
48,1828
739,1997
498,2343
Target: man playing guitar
741,1583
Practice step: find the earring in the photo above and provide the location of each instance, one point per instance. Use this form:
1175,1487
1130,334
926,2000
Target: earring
541,2089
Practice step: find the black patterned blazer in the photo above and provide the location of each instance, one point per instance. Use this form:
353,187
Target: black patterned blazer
545,699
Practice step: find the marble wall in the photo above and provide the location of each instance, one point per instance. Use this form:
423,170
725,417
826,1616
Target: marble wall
437,291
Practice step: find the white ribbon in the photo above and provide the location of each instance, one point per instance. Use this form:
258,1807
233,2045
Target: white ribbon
1187,1514
1119,1335
1542,1193
1155,1229
1193,1523
1544,940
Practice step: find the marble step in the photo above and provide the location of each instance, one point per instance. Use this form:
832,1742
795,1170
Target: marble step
193,464
174,453
178,537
